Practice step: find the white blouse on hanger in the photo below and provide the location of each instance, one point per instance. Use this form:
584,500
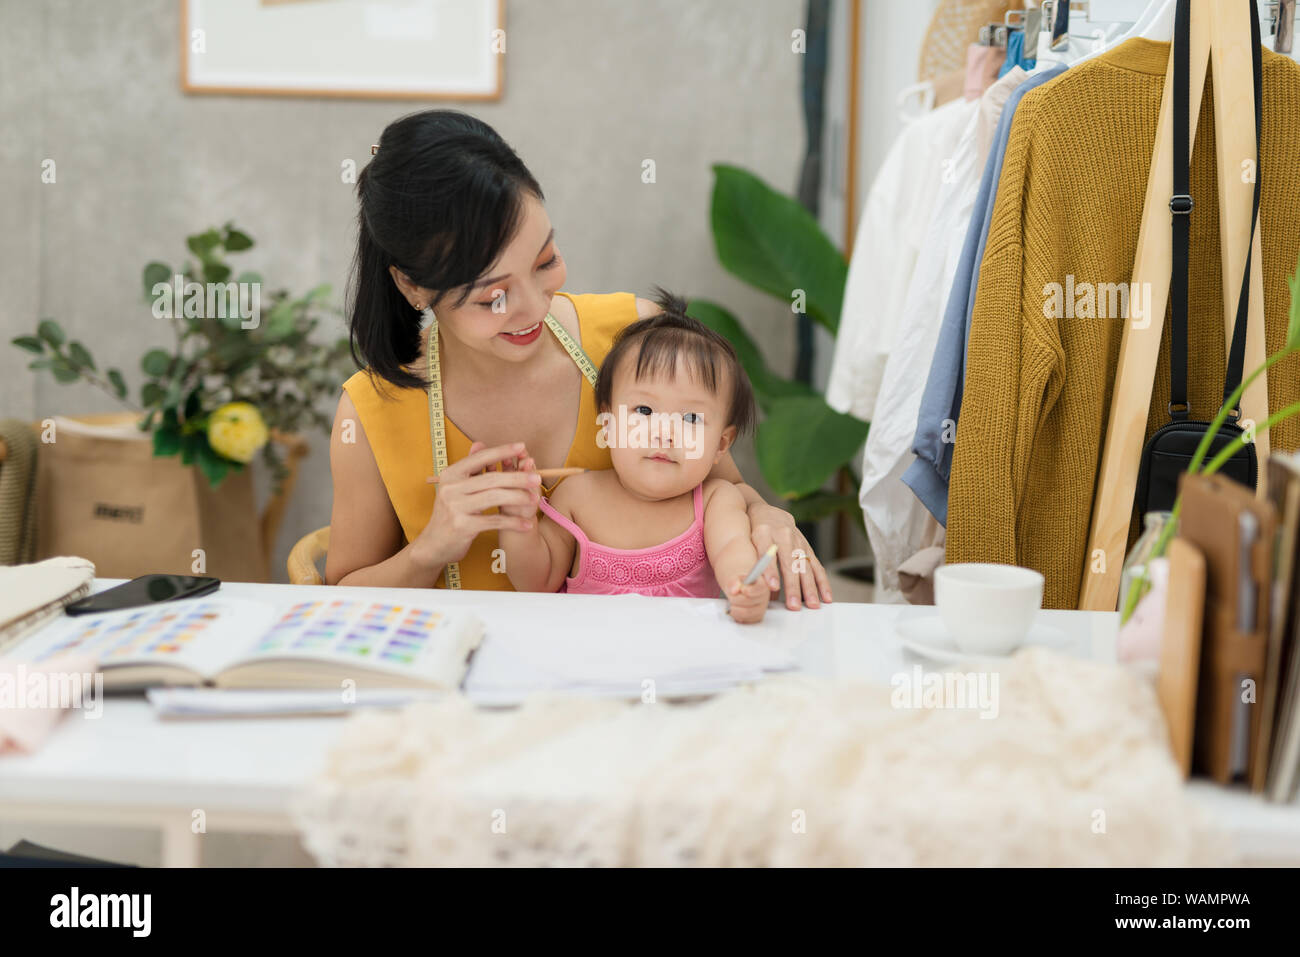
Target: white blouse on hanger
889,239
897,523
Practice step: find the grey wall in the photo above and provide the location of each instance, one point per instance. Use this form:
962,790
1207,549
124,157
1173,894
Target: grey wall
593,87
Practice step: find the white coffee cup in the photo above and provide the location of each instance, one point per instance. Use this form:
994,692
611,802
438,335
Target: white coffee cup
987,608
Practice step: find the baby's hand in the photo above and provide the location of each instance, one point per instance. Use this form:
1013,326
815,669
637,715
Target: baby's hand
748,603
521,463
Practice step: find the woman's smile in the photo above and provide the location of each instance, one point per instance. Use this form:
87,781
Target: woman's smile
523,336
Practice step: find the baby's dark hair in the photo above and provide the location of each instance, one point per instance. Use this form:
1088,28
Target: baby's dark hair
662,340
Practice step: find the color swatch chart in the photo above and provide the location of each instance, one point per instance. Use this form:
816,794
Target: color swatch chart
157,630
376,631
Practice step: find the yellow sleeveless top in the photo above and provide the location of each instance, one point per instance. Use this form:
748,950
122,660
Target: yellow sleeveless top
397,426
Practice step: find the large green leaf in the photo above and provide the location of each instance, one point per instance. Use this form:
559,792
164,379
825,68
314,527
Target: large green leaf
51,332
215,271
211,464
30,343
237,241
803,442
80,356
819,505
166,439
774,243
156,362
280,322
202,244
768,386
64,371
151,393
155,273
191,444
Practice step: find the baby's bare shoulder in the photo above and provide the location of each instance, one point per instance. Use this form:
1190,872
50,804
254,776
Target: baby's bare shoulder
574,488
722,494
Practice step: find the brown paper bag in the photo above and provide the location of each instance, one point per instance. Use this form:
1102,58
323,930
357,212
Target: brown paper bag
110,500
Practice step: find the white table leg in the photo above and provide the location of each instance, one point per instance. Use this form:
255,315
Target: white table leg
181,847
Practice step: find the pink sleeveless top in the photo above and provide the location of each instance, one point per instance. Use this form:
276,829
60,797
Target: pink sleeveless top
679,568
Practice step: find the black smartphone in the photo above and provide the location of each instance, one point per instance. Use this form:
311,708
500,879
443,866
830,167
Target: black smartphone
145,590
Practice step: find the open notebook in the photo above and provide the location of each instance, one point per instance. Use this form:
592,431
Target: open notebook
627,646
236,643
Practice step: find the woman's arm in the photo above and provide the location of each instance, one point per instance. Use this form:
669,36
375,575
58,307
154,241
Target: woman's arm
806,579
365,535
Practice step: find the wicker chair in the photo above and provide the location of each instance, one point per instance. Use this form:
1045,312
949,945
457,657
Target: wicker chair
309,550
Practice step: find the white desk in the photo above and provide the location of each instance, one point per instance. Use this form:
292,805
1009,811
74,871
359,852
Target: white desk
129,769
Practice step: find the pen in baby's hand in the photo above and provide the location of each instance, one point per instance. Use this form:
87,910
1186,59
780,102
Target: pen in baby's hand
759,566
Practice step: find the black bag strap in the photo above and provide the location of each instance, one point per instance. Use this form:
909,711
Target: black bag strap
1181,206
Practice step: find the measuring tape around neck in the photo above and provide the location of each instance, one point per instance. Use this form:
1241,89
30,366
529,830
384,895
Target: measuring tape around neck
437,420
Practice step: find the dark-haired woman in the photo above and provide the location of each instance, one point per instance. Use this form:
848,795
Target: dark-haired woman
451,222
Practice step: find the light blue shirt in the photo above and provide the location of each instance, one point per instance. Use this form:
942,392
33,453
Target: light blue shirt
1016,54
936,422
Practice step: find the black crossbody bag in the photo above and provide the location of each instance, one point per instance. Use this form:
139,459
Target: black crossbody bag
1170,450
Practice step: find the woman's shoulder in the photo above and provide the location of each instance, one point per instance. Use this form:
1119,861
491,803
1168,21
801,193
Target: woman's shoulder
370,391
603,315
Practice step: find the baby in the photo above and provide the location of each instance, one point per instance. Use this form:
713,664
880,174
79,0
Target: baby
672,398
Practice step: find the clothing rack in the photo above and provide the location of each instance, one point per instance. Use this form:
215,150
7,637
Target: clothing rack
1220,37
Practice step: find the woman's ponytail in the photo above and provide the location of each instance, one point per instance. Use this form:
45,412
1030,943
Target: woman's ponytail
384,329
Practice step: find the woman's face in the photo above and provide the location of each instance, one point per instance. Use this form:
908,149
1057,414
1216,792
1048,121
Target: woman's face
502,316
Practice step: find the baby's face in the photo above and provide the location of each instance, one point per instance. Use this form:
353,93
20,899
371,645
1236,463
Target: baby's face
665,434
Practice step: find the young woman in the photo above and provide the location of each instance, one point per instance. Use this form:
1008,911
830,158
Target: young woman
452,222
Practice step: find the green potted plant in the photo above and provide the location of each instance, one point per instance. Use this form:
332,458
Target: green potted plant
772,242
1141,582
234,374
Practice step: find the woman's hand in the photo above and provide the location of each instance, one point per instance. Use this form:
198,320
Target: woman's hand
466,489
805,578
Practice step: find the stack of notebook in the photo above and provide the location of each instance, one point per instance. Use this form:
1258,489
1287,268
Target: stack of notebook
33,595
1247,692
1281,732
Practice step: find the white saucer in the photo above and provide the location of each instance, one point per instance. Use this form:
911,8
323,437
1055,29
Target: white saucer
927,636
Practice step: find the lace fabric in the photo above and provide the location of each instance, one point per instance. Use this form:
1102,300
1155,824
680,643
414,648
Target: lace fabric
795,771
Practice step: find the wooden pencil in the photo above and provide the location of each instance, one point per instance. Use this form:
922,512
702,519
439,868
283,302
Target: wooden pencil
546,474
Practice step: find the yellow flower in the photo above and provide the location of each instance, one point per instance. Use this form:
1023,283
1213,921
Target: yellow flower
237,431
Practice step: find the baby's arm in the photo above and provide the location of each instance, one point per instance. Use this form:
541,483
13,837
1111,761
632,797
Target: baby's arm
539,559
731,553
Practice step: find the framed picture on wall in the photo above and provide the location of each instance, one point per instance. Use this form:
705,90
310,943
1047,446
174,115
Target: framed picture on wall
378,49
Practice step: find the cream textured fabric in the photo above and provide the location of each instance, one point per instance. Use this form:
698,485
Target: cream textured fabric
793,771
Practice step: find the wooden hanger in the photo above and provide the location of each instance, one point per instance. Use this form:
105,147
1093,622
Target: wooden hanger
1220,34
